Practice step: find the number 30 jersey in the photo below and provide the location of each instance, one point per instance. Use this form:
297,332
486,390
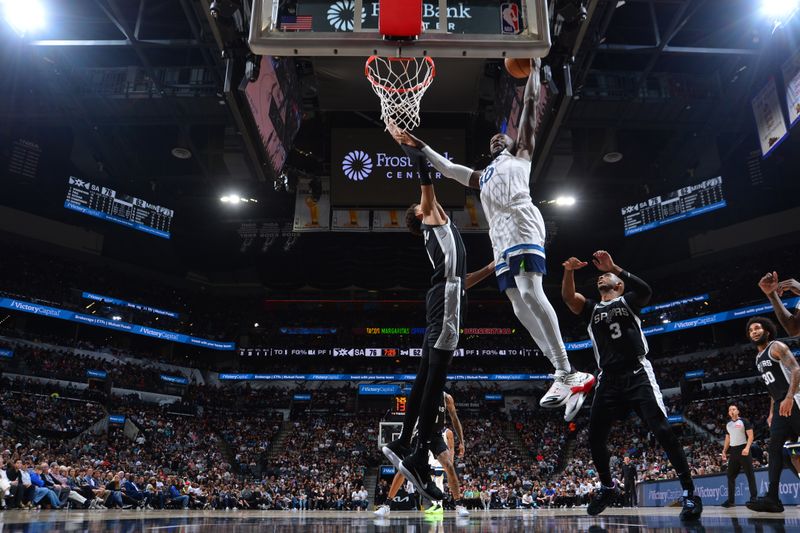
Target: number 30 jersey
776,376
616,332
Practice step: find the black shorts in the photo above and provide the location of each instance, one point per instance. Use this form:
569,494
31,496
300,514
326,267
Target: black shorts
785,427
444,309
438,443
617,394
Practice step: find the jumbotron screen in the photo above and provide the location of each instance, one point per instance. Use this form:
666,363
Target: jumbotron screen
107,204
685,202
369,169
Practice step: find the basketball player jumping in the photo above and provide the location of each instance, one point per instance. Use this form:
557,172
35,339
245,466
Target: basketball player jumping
444,305
517,232
626,380
443,449
781,374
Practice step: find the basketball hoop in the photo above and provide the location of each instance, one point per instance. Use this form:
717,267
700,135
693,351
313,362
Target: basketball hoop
400,83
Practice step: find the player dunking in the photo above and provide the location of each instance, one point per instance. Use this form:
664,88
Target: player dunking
443,450
781,374
626,380
445,303
517,232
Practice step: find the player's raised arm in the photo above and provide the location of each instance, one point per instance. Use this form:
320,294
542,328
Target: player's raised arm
773,289
781,352
637,292
527,121
464,175
574,300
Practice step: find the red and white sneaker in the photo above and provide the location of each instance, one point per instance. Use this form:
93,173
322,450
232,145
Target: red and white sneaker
566,386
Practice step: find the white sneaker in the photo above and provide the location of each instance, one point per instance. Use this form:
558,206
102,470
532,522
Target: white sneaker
461,510
566,385
574,404
383,510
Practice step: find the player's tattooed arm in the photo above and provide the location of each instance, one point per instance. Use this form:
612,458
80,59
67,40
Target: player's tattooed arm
780,351
451,410
773,289
528,118
574,300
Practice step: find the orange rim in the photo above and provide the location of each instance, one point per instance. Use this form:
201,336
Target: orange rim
422,85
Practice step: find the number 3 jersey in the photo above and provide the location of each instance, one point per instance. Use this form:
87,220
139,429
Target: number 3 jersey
776,376
615,329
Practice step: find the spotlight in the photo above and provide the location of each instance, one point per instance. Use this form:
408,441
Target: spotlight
255,325
231,199
24,16
565,201
116,317
779,9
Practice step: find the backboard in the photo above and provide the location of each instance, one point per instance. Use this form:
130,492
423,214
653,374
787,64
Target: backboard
467,28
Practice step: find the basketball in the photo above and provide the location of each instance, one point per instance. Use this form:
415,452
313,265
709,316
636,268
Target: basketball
518,68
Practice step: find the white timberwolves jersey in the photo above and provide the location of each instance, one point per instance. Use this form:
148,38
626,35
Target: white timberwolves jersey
516,227
505,182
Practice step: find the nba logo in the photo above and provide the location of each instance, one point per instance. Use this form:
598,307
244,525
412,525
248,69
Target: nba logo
509,19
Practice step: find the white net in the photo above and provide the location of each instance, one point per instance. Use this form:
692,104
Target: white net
400,83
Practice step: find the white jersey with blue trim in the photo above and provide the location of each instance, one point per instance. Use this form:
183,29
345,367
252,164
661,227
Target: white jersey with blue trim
516,227
505,182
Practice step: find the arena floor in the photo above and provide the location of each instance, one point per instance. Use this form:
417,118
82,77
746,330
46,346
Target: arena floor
561,520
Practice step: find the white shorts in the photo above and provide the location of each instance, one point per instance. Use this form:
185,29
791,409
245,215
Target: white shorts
517,237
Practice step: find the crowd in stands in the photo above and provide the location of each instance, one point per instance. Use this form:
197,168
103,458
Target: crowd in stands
326,459
221,457
65,364
49,414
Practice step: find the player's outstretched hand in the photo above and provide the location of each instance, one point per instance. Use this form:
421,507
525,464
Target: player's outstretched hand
403,137
790,285
573,263
769,283
602,260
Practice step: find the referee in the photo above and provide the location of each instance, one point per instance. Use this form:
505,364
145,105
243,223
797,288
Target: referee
738,440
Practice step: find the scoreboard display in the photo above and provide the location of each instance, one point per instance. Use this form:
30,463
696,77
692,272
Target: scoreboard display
683,203
107,204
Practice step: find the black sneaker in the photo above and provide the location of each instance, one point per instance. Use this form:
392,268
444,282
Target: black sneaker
604,497
727,504
395,451
692,508
418,472
765,505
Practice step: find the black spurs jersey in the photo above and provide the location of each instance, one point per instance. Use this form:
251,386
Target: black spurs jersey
446,252
614,327
776,376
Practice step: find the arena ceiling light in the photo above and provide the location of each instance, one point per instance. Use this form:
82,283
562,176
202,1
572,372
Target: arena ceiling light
235,199
564,201
779,10
24,16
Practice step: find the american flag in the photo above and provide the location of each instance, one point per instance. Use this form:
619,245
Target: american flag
296,23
